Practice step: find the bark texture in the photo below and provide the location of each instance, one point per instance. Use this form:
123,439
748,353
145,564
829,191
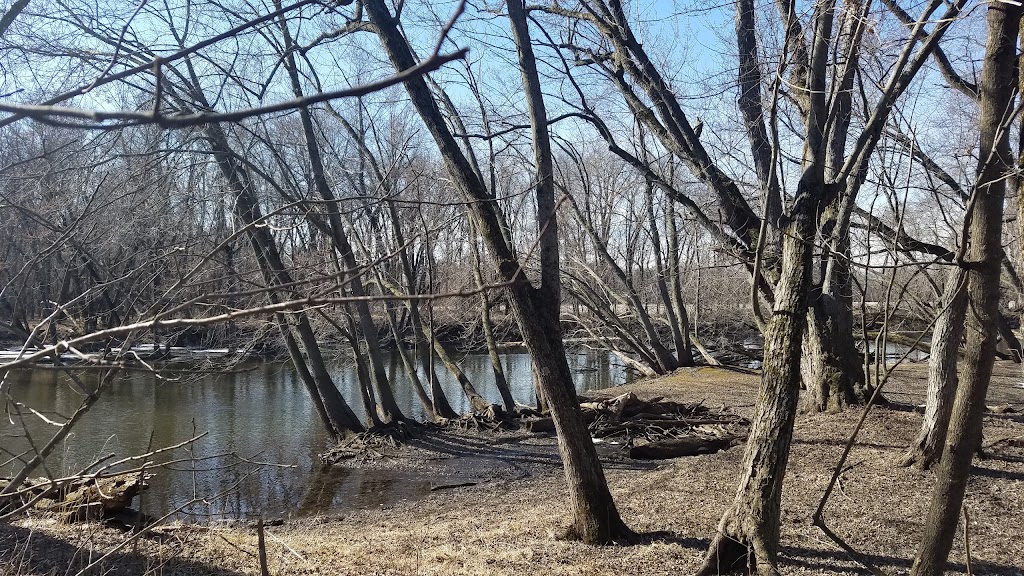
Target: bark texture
748,534
942,377
982,260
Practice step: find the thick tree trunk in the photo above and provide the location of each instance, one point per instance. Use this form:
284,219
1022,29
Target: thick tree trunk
829,366
748,534
982,259
942,378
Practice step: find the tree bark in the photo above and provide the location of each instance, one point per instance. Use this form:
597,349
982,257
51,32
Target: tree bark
748,534
595,518
942,378
983,257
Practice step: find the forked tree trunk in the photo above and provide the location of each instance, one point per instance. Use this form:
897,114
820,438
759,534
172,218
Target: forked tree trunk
983,258
680,330
830,366
942,378
748,534
675,286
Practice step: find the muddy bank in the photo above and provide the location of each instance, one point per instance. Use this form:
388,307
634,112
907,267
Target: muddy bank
505,523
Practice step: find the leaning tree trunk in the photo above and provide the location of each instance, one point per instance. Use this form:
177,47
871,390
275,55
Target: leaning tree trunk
387,406
342,419
748,534
595,518
982,260
942,378
487,325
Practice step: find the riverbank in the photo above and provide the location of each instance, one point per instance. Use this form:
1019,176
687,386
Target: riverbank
507,521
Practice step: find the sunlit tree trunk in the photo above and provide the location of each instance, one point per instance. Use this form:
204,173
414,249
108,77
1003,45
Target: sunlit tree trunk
942,377
982,260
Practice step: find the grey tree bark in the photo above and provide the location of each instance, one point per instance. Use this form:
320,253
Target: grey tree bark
942,377
982,260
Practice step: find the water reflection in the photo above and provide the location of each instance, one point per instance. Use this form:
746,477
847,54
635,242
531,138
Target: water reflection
261,414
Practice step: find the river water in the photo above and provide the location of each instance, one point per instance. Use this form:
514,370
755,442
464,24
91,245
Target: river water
262,436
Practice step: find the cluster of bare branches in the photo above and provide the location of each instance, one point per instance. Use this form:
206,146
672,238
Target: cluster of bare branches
360,175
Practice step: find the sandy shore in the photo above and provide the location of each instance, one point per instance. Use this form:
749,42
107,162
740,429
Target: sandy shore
507,523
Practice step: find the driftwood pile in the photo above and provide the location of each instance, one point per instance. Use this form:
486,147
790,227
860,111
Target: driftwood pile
657,429
77,499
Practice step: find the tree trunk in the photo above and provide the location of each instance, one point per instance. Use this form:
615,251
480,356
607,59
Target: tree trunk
476,401
982,261
748,534
595,518
942,378
410,366
343,419
680,334
829,365
500,382
386,404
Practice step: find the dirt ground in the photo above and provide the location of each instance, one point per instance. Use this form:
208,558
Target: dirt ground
507,524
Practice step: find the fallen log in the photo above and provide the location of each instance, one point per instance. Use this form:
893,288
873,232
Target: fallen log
663,423
78,499
677,447
539,425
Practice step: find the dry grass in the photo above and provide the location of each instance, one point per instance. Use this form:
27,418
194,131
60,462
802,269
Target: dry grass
506,525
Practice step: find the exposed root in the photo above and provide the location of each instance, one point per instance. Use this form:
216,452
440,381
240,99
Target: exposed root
619,534
372,443
731,555
918,457
492,418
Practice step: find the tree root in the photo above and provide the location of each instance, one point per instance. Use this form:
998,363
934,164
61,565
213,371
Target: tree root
620,534
370,444
731,555
917,457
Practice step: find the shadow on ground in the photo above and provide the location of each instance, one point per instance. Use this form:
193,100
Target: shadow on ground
24,551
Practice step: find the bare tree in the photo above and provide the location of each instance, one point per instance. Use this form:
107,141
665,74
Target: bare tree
981,256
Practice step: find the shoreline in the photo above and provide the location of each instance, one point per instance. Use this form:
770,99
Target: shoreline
506,524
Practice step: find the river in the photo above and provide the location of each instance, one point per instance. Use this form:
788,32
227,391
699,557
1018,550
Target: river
262,437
